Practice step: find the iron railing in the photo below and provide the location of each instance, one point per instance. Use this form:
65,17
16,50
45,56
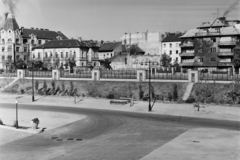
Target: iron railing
119,74
78,74
8,73
168,75
37,73
219,75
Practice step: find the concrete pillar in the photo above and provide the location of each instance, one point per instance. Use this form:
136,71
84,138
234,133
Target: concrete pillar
96,75
141,75
234,72
55,74
20,73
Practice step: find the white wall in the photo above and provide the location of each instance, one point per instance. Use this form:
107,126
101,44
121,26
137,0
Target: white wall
166,48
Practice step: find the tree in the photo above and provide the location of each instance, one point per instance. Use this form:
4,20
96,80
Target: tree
106,64
165,60
236,59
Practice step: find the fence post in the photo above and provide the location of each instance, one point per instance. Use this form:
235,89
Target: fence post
20,73
55,74
96,75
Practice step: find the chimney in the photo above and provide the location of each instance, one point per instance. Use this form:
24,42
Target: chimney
80,39
222,19
6,15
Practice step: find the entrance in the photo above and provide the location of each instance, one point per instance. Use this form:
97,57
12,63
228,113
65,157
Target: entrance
193,77
140,77
95,76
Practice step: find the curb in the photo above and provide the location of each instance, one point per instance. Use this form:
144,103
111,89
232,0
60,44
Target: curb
23,130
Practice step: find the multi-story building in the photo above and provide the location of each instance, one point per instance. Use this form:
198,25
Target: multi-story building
57,53
171,46
149,42
16,43
211,45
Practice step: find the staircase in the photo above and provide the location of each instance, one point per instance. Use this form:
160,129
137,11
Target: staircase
10,84
188,91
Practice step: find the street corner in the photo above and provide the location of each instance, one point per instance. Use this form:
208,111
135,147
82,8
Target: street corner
201,143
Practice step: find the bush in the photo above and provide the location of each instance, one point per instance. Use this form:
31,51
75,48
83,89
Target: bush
36,85
63,86
71,91
175,92
45,87
191,100
140,92
170,97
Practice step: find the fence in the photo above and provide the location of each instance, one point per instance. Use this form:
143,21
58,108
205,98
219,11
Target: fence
218,75
78,74
8,73
168,75
44,74
119,74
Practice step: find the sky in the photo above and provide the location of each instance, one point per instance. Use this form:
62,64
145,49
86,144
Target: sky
108,20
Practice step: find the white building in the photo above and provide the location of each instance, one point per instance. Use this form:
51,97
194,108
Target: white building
58,52
110,49
149,42
171,46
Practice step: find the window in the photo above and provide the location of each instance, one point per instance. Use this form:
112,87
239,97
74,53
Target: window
38,55
111,55
17,41
214,39
39,41
9,49
213,50
25,49
74,54
200,59
82,64
51,54
61,54
46,55
9,41
33,55
177,59
3,57
17,57
3,49
66,54
9,58
176,51
56,55
125,60
177,45
32,41
213,59
25,41
3,41
164,51
170,45
164,45
25,58
170,52
17,49
82,53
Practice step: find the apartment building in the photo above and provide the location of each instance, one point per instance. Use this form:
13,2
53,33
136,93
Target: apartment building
211,45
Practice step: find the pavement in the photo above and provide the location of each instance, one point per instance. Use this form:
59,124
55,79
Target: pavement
194,144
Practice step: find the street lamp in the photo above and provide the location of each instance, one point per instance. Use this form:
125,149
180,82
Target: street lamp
32,83
149,84
16,113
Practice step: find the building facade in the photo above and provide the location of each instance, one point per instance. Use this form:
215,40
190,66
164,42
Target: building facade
211,45
171,46
149,42
16,43
58,53
110,49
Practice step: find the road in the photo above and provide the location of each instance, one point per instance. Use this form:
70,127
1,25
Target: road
104,134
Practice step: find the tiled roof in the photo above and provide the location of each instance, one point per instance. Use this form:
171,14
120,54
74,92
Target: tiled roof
10,23
190,33
68,43
42,34
172,37
109,46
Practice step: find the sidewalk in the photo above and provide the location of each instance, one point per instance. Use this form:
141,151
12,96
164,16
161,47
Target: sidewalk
212,112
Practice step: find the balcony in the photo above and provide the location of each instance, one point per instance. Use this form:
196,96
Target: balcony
187,45
187,54
227,43
225,54
207,34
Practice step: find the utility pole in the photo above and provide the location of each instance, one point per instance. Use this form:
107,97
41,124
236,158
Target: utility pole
32,82
149,83
16,113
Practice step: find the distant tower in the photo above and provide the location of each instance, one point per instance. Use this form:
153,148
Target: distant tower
10,23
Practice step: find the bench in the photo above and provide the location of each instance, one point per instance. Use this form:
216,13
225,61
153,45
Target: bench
119,101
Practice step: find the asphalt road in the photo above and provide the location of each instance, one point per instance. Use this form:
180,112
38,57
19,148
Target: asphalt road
104,134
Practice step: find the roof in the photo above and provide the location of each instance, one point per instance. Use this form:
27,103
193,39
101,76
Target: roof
42,34
10,23
172,37
67,43
109,46
118,58
218,22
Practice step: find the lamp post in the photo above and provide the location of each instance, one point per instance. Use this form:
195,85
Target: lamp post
149,83
16,113
32,83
